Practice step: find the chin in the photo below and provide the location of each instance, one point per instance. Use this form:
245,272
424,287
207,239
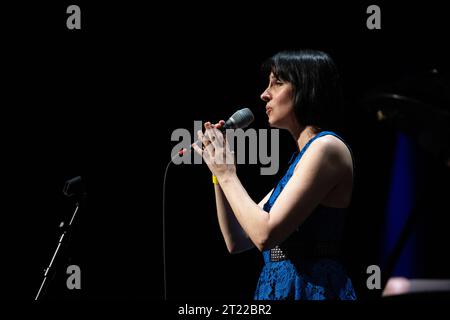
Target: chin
273,124
276,125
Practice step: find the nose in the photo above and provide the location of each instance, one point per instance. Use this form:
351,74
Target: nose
265,96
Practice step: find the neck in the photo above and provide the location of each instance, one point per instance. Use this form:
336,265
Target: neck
302,135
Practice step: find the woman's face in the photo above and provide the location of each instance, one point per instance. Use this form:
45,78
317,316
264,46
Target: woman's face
279,98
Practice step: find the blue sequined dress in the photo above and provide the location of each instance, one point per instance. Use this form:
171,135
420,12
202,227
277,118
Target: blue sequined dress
311,268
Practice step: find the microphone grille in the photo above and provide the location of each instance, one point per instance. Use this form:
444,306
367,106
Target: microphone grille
242,118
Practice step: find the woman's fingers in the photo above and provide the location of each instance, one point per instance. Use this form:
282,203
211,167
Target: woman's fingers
220,124
213,135
214,141
203,138
207,151
197,149
206,142
216,150
208,125
229,154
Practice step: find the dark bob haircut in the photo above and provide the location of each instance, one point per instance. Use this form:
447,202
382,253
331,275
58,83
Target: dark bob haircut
316,82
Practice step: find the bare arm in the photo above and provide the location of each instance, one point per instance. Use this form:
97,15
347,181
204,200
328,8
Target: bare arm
235,237
322,168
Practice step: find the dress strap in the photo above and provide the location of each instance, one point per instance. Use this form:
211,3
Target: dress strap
294,162
306,146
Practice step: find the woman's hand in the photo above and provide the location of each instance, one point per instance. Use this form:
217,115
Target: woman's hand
216,150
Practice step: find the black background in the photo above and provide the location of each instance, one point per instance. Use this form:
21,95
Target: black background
103,101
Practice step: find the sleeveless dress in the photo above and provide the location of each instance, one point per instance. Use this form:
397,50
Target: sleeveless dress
309,268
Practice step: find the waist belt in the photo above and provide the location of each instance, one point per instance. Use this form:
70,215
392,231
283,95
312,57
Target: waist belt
314,250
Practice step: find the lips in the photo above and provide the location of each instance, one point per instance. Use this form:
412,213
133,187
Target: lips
268,110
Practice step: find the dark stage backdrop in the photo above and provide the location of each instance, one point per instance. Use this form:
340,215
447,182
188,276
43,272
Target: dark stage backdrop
103,101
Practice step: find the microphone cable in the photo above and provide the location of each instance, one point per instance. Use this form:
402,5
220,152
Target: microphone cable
179,154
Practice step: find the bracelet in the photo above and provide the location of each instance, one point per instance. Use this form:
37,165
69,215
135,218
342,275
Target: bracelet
214,180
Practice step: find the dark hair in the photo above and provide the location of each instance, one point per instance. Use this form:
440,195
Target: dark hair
316,82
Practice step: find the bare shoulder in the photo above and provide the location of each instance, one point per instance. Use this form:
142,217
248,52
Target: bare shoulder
331,144
329,148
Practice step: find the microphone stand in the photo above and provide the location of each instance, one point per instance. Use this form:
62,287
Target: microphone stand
65,230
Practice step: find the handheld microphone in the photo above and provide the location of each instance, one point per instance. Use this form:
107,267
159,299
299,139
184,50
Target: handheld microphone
240,119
